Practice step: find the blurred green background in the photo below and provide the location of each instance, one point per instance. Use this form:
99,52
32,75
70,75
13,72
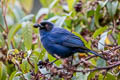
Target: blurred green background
96,22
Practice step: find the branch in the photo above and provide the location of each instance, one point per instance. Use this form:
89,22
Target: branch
4,13
99,68
2,28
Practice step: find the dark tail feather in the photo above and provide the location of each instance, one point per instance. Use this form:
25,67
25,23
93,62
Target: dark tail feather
96,54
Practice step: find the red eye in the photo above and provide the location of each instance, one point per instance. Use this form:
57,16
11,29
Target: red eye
46,25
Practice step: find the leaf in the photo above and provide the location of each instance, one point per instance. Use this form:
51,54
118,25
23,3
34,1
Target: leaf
90,13
9,20
81,76
101,63
70,4
99,31
110,76
51,58
17,78
1,20
25,66
52,4
12,75
60,21
18,12
112,8
91,75
97,15
28,76
26,18
107,41
41,12
3,71
12,32
53,18
92,25
118,38
45,3
101,42
27,35
27,5
78,28
2,42
103,3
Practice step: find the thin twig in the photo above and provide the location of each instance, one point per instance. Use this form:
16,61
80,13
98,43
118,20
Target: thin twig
28,59
20,69
114,29
12,45
2,27
4,13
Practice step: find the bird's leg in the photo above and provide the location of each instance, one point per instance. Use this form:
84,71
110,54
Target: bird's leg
71,60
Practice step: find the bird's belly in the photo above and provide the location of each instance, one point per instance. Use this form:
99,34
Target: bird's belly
59,50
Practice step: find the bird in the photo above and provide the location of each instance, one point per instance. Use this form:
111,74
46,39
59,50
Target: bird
59,41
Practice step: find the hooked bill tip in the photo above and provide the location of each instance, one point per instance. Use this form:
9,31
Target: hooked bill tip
36,25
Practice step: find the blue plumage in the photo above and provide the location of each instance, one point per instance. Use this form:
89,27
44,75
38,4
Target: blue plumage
60,42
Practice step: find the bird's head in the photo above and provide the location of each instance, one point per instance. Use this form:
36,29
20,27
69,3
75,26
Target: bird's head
45,25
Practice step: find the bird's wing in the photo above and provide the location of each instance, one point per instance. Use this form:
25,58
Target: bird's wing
74,41
66,38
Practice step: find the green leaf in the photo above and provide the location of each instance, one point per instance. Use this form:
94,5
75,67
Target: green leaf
70,4
17,11
12,32
81,76
91,75
92,25
3,71
110,76
60,21
41,12
78,28
17,78
90,13
27,35
2,42
103,3
112,8
45,3
52,4
118,38
51,58
27,18
53,18
25,66
97,15
27,76
1,20
101,63
12,75
27,5
99,31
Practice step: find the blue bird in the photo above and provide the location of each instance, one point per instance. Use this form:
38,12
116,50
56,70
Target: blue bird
60,42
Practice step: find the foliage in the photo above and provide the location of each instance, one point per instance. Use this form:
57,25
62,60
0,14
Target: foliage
97,23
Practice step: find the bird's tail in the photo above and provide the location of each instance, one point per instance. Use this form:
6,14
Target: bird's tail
96,54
